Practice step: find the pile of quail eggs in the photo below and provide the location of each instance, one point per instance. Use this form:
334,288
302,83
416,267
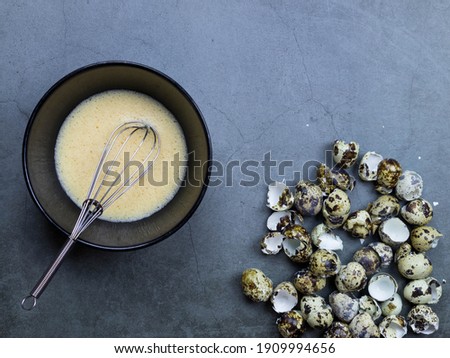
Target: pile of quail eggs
365,301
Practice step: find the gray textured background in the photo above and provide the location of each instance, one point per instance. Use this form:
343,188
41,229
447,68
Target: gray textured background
282,76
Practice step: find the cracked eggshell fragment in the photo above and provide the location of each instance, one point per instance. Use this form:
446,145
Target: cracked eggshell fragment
345,154
384,252
256,285
279,197
271,243
324,263
424,238
393,326
392,306
308,198
369,305
414,266
359,224
330,179
284,297
382,286
368,166
291,324
423,291
337,330
307,283
297,244
417,212
351,277
279,220
324,238
423,320
409,186
383,208
368,258
393,232
344,307
388,173
363,326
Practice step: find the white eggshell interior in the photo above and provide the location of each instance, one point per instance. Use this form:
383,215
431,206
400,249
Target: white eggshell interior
382,287
292,246
396,230
274,219
273,243
274,193
283,301
330,241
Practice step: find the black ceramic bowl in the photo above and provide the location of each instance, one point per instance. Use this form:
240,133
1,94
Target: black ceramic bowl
43,128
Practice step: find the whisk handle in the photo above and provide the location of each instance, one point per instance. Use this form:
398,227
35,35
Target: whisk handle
29,302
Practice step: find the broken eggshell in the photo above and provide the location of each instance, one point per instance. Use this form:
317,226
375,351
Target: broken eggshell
256,285
384,252
271,243
409,186
284,297
414,266
291,324
388,173
383,208
279,197
337,330
393,232
417,212
324,238
363,326
423,320
424,238
307,283
330,179
297,244
351,277
423,291
324,263
368,166
280,220
359,224
392,306
344,307
382,286
393,326
369,305
345,154
369,259
308,198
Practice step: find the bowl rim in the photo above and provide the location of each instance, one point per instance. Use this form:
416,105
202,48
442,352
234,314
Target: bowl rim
99,64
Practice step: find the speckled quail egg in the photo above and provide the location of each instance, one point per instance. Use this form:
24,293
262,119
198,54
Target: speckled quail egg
382,286
324,238
417,212
256,285
297,244
271,243
388,173
363,326
284,297
320,318
336,208
409,186
403,250
414,266
423,291
359,224
392,306
351,277
368,258
384,252
291,324
308,198
279,197
329,179
424,238
309,303
423,320
345,154
369,305
393,327
368,166
383,208
307,283
324,263
344,307
280,220
337,330
393,232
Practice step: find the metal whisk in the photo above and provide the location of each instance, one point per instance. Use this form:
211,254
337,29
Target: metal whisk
102,193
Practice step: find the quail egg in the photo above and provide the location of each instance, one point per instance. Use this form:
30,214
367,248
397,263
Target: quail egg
345,154
309,303
369,259
403,250
271,243
424,238
337,330
284,297
388,173
308,198
363,326
291,324
423,291
324,263
344,307
256,285
417,212
393,327
351,277
307,283
384,252
336,208
393,232
383,208
297,244
423,320
279,197
330,179
359,224
280,220
368,166
414,266
369,305
382,286
320,318
392,306
324,238
409,186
